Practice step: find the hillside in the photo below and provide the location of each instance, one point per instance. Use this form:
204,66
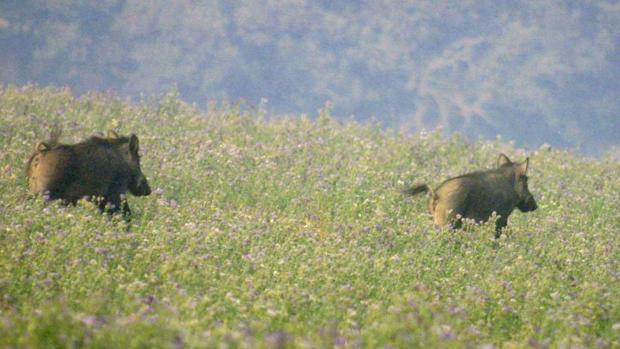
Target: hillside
536,72
292,232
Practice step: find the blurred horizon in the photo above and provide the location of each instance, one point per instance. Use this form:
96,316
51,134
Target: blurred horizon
537,73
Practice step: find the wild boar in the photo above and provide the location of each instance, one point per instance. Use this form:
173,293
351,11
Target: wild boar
100,168
478,194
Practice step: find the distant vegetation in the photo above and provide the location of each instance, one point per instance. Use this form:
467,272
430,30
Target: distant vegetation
535,72
288,232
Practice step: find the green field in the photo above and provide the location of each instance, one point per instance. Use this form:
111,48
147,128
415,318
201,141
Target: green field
292,232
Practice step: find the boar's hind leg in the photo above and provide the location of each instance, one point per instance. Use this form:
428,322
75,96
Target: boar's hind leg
446,214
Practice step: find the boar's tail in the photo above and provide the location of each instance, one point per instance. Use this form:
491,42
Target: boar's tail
422,188
55,134
54,140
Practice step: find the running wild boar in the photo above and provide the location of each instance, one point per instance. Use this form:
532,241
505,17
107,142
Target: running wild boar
99,168
478,194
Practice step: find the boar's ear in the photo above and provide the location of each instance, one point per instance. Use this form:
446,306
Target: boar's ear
42,146
522,168
112,134
503,160
134,144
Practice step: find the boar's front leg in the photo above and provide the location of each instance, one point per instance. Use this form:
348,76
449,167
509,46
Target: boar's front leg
120,204
106,204
125,209
102,202
500,223
113,204
117,198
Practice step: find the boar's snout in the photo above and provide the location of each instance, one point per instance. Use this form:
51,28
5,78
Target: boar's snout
140,187
147,189
529,204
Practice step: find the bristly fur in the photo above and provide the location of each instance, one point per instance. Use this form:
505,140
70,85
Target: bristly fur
98,140
98,168
54,142
94,140
478,195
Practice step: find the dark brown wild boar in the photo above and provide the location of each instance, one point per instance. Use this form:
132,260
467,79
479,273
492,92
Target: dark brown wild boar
99,167
477,195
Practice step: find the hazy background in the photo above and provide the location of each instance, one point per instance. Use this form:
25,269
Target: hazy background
533,71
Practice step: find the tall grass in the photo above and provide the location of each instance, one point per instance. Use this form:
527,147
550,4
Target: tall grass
292,232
